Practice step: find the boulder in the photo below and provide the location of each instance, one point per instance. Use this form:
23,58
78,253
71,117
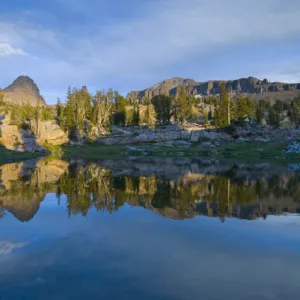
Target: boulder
185,135
293,147
207,144
263,122
146,137
50,133
15,139
195,137
172,135
286,123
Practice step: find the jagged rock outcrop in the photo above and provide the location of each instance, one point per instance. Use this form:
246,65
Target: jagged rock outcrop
23,91
250,86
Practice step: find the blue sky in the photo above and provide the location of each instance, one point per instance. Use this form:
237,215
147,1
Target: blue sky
132,44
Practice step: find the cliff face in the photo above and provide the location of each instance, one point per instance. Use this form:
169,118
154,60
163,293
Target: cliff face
23,91
250,86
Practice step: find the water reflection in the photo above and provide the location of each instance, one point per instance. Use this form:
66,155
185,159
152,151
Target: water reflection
174,190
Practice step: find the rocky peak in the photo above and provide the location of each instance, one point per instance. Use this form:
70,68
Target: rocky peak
24,82
22,91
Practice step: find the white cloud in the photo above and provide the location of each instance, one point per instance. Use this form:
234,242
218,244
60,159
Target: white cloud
283,72
7,247
8,50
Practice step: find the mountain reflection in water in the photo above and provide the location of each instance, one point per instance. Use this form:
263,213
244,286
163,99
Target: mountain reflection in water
177,190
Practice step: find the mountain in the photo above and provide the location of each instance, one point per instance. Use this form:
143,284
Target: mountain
250,86
23,91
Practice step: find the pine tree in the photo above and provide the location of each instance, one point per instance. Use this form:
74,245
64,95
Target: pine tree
259,114
37,118
136,115
225,108
69,114
295,111
120,115
206,119
272,118
58,111
183,104
278,108
162,106
103,107
210,114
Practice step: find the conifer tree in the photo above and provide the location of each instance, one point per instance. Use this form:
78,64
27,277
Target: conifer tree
225,107
272,118
120,115
136,115
162,106
295,111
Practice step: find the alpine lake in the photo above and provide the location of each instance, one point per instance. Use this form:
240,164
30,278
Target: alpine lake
149,228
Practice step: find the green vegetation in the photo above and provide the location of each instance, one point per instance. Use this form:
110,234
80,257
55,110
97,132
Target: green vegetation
7,156
228,110
162,105
247,152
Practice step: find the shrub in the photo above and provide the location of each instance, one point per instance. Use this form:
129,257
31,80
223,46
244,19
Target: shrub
230,129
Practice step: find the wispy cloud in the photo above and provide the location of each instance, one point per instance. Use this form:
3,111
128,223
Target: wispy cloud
7,247
8,50
150,40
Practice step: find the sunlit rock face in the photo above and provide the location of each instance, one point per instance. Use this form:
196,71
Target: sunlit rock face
17,139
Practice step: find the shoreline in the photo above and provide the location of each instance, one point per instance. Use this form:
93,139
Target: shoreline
240,152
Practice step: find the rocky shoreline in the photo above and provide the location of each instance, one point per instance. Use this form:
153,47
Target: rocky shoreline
184,136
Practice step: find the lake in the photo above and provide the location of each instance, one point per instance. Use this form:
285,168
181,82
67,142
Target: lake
146,228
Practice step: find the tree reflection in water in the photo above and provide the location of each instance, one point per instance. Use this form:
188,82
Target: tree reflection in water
93,186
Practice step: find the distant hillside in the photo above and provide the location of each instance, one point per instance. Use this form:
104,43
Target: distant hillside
23,91
250,86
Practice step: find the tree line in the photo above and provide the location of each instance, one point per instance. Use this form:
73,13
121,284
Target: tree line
84,113
228,110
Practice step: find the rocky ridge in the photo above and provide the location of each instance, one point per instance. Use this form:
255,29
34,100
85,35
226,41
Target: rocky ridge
250,86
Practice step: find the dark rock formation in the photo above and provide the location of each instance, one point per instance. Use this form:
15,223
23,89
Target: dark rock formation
250,86
23,91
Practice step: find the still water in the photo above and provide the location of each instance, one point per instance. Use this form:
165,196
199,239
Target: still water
148,229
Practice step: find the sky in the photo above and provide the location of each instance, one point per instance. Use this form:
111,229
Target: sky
133,44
